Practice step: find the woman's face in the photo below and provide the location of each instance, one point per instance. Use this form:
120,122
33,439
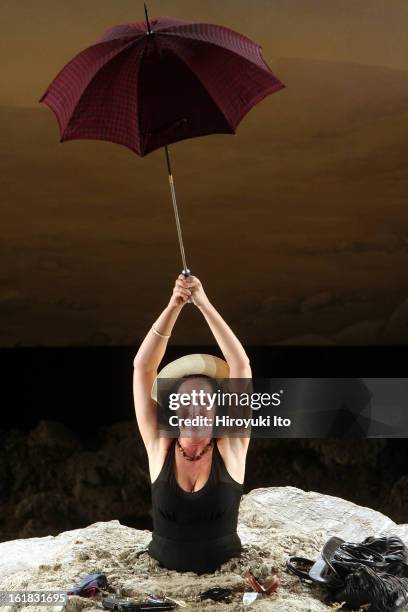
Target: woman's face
198,405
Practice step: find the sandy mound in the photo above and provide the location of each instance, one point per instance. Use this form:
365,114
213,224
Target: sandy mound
274,523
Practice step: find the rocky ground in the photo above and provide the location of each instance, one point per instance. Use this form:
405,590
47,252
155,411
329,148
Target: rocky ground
274,523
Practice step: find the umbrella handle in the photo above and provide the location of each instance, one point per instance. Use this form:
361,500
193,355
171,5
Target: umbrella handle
186,272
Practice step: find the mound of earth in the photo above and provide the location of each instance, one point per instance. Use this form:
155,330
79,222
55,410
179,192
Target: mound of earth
274,523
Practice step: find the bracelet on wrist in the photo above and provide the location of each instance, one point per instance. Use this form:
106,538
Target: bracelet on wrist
154,330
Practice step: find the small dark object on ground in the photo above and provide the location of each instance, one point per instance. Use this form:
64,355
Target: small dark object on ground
125,604
217,594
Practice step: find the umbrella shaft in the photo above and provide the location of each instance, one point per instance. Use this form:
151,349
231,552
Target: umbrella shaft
180,237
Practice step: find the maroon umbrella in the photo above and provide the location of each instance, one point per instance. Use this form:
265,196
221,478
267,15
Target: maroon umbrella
148,84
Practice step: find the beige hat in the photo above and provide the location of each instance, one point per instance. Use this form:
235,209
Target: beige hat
196,363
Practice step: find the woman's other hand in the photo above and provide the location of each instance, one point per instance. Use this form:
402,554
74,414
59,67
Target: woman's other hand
181,292
199,297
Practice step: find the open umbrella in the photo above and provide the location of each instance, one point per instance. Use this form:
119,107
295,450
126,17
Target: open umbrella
146,85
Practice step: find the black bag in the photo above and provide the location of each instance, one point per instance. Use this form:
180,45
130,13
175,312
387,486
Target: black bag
374,572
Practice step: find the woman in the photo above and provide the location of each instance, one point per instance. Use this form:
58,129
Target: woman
197,481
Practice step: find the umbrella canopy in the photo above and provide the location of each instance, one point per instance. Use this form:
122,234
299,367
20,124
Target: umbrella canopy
148,84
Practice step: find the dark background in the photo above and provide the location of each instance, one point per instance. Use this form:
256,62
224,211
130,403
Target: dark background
81,386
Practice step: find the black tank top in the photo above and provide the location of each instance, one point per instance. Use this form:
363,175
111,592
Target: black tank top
195,531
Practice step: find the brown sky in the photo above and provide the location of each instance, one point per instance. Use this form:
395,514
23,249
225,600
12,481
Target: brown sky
39,37
297,225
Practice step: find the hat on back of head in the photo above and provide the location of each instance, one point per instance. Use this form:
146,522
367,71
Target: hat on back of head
196,363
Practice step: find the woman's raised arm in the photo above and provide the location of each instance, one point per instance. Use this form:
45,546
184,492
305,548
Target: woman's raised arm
148,359
231,347
234,448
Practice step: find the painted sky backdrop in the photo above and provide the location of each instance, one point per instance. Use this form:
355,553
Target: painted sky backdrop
36,38
297,225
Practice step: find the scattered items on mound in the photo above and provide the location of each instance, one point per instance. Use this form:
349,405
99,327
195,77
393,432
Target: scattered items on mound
274,523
